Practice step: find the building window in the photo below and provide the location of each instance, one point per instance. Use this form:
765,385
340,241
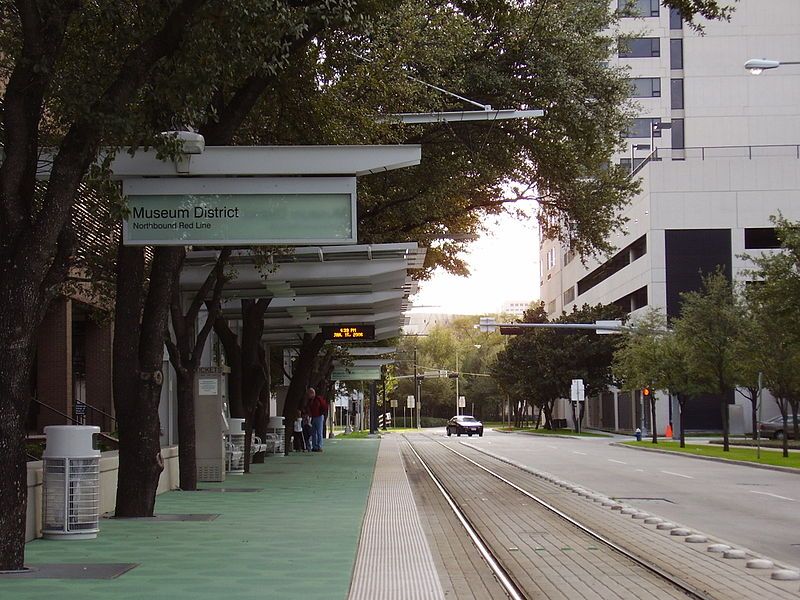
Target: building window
626,163
676,54
676,93
633,301
569,295
551,259
639,8
551,307
640,47
645,87
642,128
634,251
678,141
675,19
569,255
761,238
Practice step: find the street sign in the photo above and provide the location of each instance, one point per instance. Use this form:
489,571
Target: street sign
239,211
409,401
511,330
393,403
348,332
616,323
462,402
577,390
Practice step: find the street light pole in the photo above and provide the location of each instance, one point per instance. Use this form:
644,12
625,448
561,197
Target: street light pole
416,389
756,66
457,378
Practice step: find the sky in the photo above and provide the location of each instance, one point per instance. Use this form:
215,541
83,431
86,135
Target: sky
504,267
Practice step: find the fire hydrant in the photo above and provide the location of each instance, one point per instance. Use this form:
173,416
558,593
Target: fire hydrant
638,435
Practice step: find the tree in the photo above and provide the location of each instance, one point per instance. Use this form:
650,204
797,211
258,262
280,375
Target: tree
638,362
539,364
185,352
709,324
772,345
72,93
708,9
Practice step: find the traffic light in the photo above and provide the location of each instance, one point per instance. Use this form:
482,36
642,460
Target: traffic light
647,392
452,375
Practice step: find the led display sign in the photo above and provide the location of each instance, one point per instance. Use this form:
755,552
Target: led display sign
348,332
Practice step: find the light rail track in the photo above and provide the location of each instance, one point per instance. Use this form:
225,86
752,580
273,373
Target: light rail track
501,573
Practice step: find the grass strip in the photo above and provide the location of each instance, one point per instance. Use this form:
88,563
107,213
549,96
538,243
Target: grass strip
740,454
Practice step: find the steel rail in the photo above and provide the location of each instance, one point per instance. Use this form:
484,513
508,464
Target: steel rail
510,587
647,565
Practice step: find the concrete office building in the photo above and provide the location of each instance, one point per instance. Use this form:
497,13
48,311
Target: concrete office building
727,157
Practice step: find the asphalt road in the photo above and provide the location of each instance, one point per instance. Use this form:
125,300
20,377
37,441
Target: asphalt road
749,507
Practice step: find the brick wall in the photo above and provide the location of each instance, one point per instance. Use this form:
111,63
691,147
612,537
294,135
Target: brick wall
54,363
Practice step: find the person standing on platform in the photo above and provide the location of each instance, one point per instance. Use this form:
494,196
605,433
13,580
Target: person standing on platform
297,433
317,408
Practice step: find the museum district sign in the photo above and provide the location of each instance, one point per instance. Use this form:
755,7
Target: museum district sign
237,211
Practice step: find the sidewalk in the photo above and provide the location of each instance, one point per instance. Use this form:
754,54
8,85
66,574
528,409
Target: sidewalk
295,538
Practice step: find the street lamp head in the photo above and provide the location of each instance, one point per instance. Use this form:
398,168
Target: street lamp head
757,65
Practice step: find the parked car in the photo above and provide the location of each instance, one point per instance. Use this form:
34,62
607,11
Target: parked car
464,424
773,428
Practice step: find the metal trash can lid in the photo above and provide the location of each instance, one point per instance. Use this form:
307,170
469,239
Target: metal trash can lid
70,441
275,422
236,426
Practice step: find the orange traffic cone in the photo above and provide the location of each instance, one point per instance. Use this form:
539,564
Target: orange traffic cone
668,432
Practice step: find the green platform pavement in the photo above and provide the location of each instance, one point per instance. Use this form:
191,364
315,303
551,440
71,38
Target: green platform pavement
297,538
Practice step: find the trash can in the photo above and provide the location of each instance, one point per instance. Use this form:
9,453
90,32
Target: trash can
234,447
71,489
275,426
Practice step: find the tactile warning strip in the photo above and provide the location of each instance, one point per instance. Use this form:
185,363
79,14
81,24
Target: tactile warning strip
394,560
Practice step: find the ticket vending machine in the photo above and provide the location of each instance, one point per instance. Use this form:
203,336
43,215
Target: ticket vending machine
211,422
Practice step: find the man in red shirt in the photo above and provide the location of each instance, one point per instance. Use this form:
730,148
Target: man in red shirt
317,408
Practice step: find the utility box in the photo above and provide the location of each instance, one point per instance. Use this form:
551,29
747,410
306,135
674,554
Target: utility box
71,490
234,447
211,423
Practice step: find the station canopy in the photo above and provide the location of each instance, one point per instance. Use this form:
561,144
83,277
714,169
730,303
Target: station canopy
312,287
364,364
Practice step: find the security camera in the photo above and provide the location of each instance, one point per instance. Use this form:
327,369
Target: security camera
191,141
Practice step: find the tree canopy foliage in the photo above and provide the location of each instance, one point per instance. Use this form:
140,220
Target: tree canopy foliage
538,366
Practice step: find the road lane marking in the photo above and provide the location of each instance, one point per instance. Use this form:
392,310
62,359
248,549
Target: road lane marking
619,462
581,453
554,447
640,470
678,474
773,495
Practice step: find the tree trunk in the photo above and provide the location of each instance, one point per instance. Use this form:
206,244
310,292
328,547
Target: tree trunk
548,415
754,415
15,367
795,419
297,386
785,414
187,458
653,418
233,356
681,420
726,428
138,360
140,461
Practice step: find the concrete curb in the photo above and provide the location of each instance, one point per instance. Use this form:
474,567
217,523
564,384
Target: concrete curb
711,458
558,436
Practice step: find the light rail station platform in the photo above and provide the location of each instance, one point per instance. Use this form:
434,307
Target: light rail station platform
366,520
